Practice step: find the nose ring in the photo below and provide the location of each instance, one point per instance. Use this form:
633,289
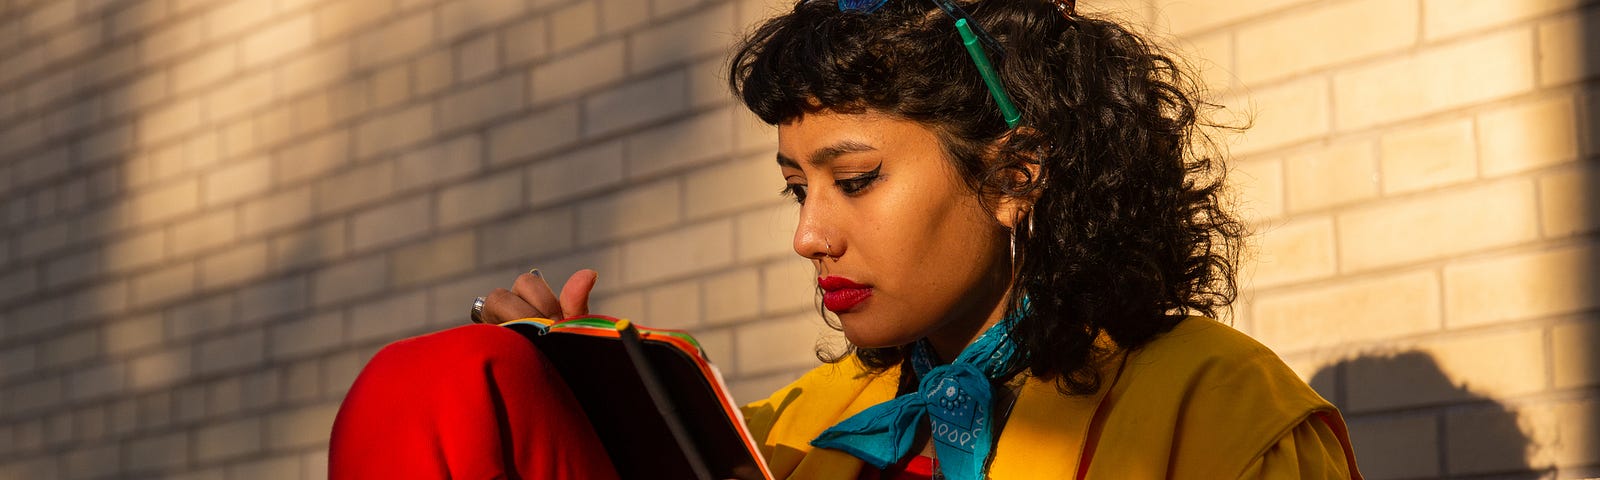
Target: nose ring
829,251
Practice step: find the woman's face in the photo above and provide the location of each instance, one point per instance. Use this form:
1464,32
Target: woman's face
902,247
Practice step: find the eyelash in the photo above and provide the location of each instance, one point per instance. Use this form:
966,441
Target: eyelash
855,185
851,186
795,191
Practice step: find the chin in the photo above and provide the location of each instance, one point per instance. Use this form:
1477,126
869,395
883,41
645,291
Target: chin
865,333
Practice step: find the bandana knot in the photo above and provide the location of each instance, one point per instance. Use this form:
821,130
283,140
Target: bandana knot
957,399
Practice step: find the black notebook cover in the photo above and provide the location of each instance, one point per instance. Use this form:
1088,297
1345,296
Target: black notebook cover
591,358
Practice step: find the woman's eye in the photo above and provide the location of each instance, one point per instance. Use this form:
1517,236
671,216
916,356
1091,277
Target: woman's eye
795,191
856,184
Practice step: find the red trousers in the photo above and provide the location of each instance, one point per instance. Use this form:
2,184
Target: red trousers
472,402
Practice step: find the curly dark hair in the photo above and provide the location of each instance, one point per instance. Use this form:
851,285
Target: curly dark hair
1129,227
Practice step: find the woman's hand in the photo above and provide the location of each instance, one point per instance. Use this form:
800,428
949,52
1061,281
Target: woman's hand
531,297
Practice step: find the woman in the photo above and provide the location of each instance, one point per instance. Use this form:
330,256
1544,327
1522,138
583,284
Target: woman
1015,234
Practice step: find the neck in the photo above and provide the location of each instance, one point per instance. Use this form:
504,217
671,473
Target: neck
948,343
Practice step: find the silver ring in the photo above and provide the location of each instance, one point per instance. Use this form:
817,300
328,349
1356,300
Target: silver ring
477,310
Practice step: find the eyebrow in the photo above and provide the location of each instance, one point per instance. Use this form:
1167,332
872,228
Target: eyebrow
827,154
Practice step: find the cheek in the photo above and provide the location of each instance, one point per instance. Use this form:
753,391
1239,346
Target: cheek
935,239
930,251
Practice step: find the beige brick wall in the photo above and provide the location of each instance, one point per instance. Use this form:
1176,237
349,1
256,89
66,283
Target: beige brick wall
1421,180
215,212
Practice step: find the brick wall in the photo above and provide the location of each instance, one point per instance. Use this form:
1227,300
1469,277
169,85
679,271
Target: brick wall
215,211
1422,180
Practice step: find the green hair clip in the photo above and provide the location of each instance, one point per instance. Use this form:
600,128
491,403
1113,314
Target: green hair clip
1008,110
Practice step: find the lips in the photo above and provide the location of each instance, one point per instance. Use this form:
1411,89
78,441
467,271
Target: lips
840,294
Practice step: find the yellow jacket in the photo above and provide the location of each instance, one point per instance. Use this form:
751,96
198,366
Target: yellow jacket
1202,401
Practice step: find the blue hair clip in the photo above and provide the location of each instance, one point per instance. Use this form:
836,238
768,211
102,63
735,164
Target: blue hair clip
863,6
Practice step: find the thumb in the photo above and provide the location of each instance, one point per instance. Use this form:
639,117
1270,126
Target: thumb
575,294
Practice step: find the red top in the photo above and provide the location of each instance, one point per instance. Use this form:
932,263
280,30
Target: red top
919,468
476,401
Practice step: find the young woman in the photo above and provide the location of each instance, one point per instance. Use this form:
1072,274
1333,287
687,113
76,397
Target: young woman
1011,222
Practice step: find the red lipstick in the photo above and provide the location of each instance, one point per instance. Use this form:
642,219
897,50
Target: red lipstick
840,294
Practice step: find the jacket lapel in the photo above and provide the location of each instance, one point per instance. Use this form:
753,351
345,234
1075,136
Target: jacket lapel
1047,431
829,463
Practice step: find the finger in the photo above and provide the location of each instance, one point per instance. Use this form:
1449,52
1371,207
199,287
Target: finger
575,294
537,293
502,306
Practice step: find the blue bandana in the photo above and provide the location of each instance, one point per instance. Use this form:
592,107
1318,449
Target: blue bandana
957,399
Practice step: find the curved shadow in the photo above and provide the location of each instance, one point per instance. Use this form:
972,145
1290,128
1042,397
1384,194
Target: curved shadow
1392,404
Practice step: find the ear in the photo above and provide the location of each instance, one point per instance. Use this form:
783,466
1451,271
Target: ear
1014,208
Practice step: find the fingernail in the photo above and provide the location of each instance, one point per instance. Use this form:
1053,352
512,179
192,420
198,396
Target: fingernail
535,272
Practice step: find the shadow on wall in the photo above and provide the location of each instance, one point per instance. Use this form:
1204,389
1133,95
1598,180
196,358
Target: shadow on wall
1576,342
1410,420
1390,404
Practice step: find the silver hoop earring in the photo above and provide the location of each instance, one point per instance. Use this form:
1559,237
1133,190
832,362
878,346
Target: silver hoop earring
1013,249
1016,229
1030,223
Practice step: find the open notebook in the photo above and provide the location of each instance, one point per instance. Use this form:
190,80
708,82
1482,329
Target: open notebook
659,405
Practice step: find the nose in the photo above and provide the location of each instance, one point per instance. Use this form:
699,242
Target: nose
813,237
